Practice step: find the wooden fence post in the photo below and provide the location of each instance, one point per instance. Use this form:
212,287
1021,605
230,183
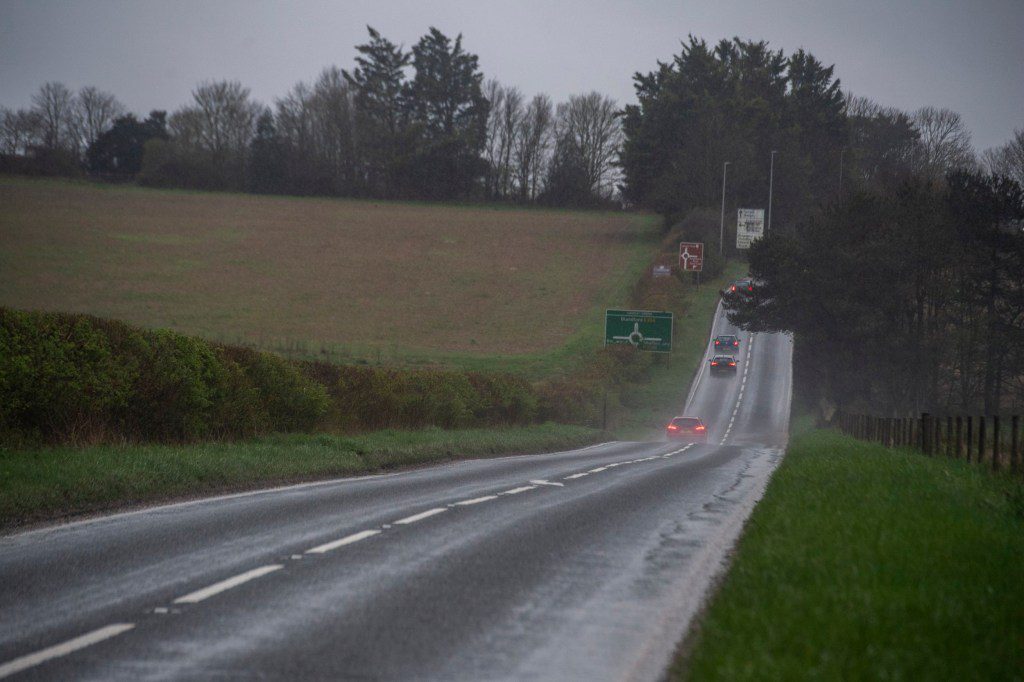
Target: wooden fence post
981,438
970,436
995,442
1014,441
959,452
949,436
937,439
926,433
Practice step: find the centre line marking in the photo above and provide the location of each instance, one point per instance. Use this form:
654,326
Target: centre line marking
347,540
569,478
597,470
557,485
516,491
217,588
477,500
419,517
64,648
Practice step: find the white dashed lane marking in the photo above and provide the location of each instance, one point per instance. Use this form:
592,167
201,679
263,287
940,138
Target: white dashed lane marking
419,517
347,540
64,648
224,585
516,491
476,500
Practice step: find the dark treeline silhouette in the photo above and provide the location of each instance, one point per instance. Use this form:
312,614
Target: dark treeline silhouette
902,299
895,256
415,124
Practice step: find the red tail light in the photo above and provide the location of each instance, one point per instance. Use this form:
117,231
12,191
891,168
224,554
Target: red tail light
735,343
733,288
732,364
714,364
699,428
673,427
718,343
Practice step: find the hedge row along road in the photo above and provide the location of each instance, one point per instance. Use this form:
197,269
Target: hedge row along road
586,564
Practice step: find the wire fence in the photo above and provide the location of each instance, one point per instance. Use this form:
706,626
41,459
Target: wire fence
982,439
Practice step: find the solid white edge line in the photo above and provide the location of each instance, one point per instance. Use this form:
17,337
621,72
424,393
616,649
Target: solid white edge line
63,649
347,540
477,500
235,581
419,517
516,491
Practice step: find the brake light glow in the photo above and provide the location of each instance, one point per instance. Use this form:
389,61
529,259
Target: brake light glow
714,364
733,288
673,427
732,364
699,428
735,343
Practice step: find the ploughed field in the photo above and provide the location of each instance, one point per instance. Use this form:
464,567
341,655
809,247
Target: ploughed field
312,276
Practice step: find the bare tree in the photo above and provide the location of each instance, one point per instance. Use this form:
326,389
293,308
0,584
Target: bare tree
593,124
19,130
532,143
220,121
495,94
510,115
55,106
1007,160
94,114
945,142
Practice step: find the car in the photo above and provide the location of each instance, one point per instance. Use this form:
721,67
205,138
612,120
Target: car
727,343
743,287
692,429
723,364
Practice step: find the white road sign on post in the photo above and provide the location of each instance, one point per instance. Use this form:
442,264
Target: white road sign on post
749,226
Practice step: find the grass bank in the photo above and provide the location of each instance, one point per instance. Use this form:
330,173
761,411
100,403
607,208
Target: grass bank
866,563
41,484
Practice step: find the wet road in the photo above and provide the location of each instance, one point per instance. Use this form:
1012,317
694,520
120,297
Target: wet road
585,564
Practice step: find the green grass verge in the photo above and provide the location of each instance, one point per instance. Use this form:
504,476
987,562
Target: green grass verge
866,563
647,407
50,483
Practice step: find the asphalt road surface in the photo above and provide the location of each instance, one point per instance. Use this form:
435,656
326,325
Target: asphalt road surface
579,565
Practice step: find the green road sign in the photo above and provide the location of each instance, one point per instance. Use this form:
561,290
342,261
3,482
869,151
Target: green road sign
642,329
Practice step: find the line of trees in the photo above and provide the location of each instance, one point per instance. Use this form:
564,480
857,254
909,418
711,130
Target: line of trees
419,123
896,253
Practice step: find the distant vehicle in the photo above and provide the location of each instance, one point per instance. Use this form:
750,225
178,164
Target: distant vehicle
723,364
743,287
727,343
692,429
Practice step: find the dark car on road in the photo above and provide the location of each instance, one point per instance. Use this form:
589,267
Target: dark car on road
741,287
692,429
723,364
727,343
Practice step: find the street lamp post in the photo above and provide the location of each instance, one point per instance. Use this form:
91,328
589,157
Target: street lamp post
771,186
721,231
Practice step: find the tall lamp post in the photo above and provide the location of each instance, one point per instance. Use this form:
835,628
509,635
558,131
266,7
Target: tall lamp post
721,231
771,186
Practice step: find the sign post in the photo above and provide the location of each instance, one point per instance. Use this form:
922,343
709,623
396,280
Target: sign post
645,330
749,226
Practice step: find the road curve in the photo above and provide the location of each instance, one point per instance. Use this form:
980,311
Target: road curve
586,564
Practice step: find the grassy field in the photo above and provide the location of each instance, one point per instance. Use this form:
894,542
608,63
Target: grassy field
329,278
50,483
864,563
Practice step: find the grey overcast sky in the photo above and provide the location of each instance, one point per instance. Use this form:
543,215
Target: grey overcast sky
964,55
